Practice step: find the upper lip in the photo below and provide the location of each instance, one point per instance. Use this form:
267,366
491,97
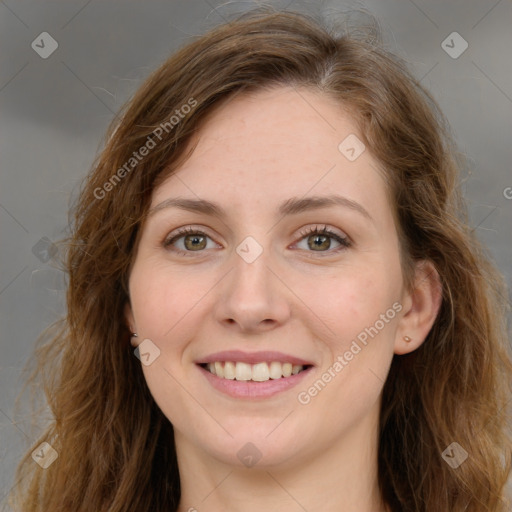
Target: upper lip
252,357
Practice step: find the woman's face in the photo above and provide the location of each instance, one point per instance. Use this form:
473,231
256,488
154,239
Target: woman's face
254,291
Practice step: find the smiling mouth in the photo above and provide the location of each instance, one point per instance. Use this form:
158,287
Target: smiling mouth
259,372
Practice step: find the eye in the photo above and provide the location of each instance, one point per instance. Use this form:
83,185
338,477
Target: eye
319,240
194,240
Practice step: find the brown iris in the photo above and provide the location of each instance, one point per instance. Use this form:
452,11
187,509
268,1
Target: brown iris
323,245
194,242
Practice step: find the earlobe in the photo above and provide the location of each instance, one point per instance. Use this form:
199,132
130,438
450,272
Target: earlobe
134,339
424,302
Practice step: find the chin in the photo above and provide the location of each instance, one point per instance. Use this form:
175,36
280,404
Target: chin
254,446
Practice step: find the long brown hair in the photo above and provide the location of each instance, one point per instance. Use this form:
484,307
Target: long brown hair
115,447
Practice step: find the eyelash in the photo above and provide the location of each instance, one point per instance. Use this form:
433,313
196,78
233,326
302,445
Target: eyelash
344,242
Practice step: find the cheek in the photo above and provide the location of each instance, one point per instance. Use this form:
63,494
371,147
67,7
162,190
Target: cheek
362,320
161,298
355,300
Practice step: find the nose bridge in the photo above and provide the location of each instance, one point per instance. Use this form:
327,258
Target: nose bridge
253,296
251,269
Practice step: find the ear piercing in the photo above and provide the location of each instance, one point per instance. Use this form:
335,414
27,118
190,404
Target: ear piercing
133,338
407,339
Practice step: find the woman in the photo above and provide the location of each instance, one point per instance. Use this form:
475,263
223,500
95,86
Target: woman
275,302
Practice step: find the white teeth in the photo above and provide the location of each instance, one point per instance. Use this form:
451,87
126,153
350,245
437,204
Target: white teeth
243,371
259,372
219,370
287,369
275,370
296,368
229,370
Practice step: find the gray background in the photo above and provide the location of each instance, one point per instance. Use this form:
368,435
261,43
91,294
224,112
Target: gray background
54,113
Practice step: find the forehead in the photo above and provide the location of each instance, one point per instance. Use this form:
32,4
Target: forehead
262,148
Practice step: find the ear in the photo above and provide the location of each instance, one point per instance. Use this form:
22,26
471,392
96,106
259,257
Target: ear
130,322
421,306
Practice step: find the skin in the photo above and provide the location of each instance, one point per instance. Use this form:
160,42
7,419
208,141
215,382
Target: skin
255,152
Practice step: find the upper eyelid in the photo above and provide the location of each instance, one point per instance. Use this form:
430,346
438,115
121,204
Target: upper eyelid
185,230
320,228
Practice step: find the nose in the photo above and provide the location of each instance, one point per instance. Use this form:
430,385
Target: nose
253,297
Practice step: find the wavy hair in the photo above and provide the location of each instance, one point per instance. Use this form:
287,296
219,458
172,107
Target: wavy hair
115,447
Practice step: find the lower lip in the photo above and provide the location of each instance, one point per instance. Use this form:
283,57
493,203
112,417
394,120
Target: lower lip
252,389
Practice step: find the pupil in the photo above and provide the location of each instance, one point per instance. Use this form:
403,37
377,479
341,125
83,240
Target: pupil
318,241
195,241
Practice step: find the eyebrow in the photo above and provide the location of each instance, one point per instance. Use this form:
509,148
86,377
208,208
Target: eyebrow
291,206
